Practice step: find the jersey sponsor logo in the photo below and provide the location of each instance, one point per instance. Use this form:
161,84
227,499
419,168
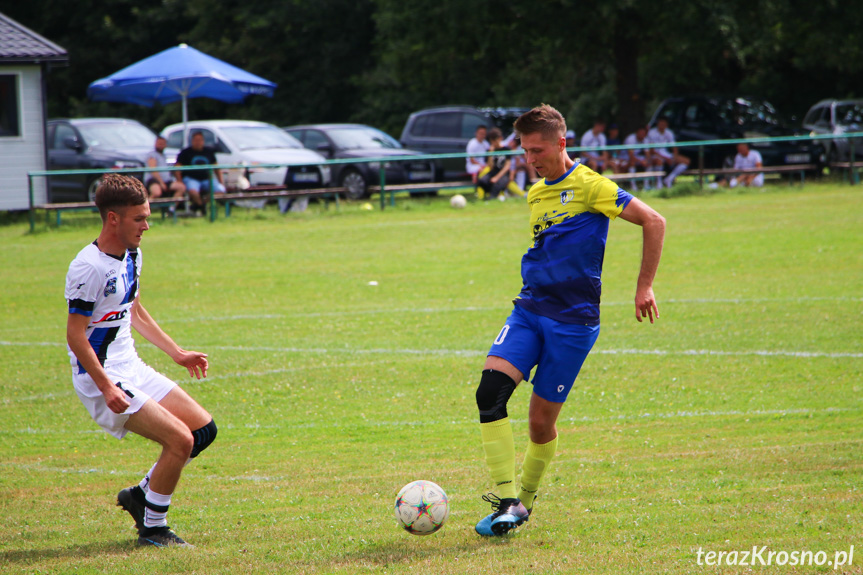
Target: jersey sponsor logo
112,316
111,287
110,273
567,196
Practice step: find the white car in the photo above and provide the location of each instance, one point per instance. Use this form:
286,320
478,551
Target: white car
244,142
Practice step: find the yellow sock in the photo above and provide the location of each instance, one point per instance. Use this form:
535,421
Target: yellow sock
499,449
513,187
536,462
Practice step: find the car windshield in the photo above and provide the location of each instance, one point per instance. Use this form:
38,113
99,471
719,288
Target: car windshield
749,114
260,138
849,114
360,138
116,135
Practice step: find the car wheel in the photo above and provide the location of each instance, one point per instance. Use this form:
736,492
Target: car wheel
356,187
92,187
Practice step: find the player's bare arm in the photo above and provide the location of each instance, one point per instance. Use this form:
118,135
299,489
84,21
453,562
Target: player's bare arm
653,226
76,337
143,322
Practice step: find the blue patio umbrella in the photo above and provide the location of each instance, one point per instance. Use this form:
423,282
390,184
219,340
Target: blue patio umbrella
178,74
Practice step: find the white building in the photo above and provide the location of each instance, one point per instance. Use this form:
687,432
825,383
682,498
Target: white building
25,58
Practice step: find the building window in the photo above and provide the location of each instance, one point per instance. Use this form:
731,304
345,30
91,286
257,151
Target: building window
9,124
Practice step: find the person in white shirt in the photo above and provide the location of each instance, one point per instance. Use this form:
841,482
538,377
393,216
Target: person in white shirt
478,145
746,159
638,159
596,160
120,391
664,157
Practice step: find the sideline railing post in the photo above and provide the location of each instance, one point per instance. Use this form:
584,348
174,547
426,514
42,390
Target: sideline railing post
383,183
855,177
212,196
32,209
701,166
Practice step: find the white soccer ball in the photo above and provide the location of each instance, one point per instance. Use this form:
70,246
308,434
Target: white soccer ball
422,507
458,201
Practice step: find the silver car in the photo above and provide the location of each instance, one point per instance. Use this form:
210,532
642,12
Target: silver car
837,117
252,144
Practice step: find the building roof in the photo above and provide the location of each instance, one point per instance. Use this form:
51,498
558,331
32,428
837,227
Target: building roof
20,44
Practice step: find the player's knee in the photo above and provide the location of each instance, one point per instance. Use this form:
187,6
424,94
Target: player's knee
492,395
181,444
203,437
541,430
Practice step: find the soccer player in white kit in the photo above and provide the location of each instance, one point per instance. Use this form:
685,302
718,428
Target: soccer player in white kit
120,391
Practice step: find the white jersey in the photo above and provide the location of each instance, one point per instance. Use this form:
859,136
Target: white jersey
474,146
748,162
103,288
591,140
632,140
654,136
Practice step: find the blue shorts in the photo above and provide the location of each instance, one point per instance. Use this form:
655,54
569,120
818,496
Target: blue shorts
556,349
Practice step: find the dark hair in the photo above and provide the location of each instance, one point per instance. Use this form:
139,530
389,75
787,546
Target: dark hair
480,127
495,134
118,191
544,120
196,133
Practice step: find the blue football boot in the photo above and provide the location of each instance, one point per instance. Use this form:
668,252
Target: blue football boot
507,515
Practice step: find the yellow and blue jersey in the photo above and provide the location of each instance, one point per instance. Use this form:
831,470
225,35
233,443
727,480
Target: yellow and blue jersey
569,222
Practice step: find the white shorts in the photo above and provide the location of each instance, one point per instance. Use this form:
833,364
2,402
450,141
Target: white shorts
140,382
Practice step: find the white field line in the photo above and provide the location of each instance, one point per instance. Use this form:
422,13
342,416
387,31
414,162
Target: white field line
475,352
423,423
434,310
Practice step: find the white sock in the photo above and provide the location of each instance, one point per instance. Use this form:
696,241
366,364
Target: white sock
153,518
678,169
145,483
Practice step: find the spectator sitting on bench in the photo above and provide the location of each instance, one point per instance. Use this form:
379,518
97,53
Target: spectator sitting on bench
639,158
663,157
477,145
520,172
745,159
160,183
198,181
617,159
595,138
494,178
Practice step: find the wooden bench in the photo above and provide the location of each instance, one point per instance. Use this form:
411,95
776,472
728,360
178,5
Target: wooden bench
849,169
791,169
275,192
61,207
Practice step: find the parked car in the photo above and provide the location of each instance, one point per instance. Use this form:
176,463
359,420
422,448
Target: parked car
695,118
338,141
253,143
448,129
91,143
836,117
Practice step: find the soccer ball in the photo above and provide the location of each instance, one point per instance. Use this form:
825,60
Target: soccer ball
422,507
458,201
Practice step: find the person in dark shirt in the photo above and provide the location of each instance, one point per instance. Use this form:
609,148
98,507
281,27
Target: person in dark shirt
198,181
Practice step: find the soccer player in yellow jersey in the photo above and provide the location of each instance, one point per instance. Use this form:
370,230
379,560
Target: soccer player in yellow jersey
555,321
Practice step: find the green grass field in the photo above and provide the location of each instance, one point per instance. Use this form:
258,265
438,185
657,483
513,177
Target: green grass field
733,422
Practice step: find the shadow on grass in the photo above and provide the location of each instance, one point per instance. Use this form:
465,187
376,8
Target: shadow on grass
88,551
403,552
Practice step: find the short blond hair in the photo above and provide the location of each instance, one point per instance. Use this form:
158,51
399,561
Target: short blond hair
543,119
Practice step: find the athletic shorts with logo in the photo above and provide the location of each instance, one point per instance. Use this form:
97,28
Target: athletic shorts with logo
138,380
555,348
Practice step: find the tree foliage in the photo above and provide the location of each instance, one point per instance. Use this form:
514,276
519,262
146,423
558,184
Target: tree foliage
376,61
